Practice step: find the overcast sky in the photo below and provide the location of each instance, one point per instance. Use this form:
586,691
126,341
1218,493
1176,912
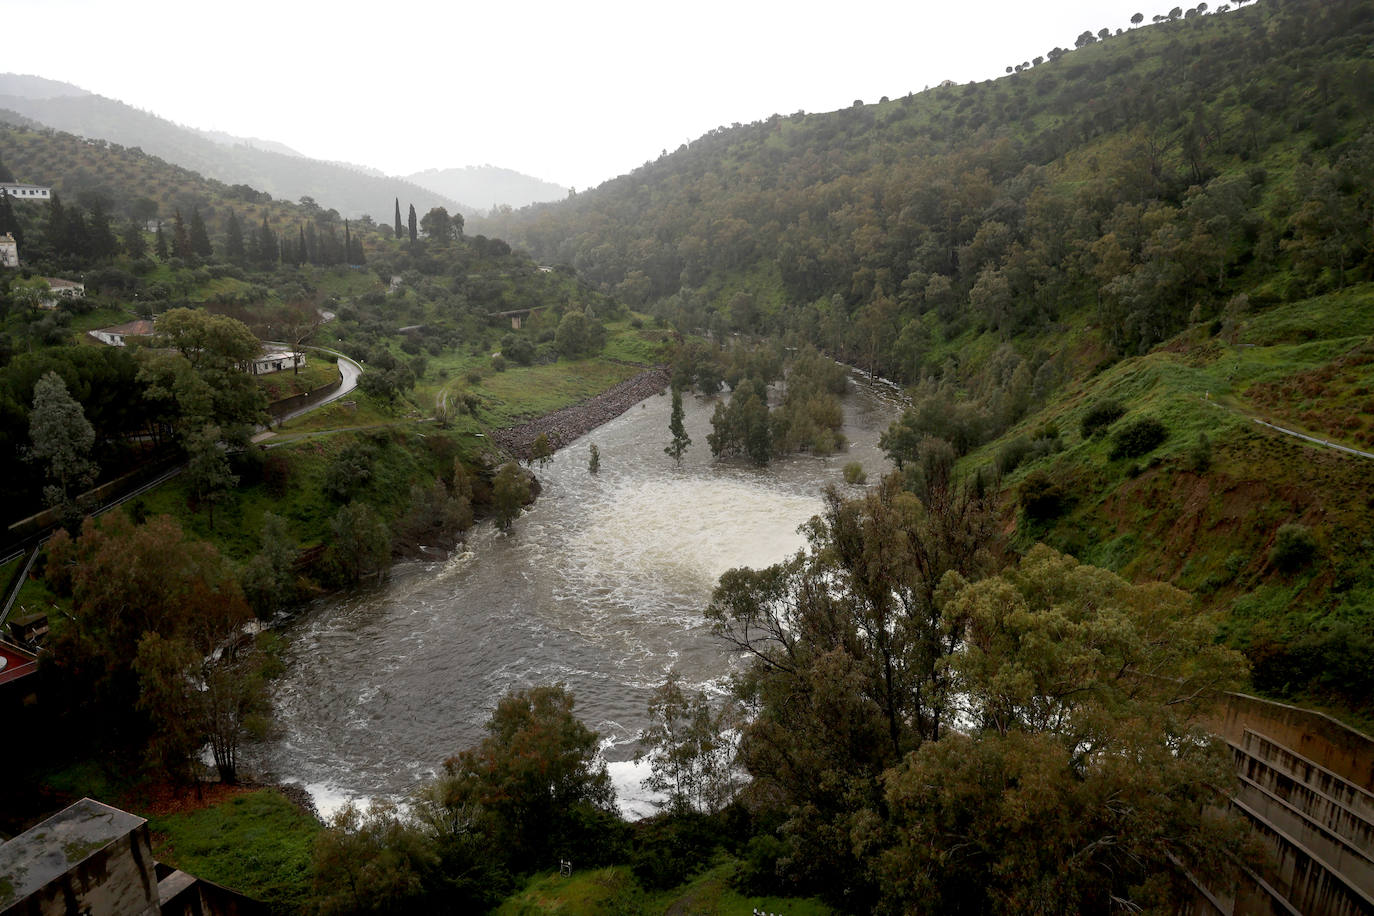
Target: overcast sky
574,93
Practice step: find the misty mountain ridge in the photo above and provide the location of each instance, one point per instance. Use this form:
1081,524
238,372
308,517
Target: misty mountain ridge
280,171
489,186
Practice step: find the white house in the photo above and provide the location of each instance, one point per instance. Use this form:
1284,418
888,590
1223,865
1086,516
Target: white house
25,191
272,360
117,335
62,289
9,251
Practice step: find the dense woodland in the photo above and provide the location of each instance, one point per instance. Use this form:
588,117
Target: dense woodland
980,688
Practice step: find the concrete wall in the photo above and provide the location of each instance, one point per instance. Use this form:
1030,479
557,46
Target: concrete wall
279,409
1304,785
1319,738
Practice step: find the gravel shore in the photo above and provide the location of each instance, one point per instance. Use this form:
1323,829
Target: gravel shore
565,425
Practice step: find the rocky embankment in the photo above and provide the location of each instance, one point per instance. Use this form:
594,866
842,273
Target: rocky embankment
565,425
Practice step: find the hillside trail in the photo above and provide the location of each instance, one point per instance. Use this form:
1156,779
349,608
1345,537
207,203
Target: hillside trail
1315,440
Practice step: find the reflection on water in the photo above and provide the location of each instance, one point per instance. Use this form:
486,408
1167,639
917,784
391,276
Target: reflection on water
601,587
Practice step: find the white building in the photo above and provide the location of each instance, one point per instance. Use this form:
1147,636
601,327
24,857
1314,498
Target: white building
25,191
277,361
62,289
9,251
118,335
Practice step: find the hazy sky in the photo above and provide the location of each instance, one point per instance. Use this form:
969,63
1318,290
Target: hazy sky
574,93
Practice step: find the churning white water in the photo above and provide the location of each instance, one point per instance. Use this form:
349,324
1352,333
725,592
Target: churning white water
600,586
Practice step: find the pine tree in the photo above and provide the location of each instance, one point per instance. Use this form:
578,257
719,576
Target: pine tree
414,233
398,217
200,238
160,244
679,432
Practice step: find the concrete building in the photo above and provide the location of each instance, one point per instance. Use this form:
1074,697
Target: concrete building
25,191
9,251
96,860
89,858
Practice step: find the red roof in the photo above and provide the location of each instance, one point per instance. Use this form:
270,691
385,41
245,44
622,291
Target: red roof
15,663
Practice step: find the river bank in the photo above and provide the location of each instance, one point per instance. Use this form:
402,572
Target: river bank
563,426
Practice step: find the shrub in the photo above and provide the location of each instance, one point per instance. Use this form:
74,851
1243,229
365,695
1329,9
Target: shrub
1012,454
1200,456
854,474
498,362
1041,498
1138,438
1100,416
1294,547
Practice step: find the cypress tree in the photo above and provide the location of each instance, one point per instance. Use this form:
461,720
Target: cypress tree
57,224
303,250
267,244
413,233
398,216
101,242
135,245
8,221
181,239
233,240
200,238
348,244
161,243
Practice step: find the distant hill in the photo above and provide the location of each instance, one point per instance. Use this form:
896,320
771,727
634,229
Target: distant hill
278,170
37,87
487,186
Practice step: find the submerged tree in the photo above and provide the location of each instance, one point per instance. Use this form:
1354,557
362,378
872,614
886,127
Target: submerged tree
680,440
690,750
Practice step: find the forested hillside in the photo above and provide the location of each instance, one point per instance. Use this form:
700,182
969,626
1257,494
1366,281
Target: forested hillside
1158,236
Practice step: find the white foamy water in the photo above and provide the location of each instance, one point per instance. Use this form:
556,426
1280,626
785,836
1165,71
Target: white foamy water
601,587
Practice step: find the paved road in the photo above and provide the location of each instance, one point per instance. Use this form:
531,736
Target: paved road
348,368
1288,432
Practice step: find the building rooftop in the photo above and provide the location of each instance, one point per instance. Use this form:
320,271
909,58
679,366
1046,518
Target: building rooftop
142,327
14,664
44,853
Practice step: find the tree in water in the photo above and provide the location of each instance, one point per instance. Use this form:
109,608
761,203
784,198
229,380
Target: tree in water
509,492
593,458
541,451
691,756
535,782
680,440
